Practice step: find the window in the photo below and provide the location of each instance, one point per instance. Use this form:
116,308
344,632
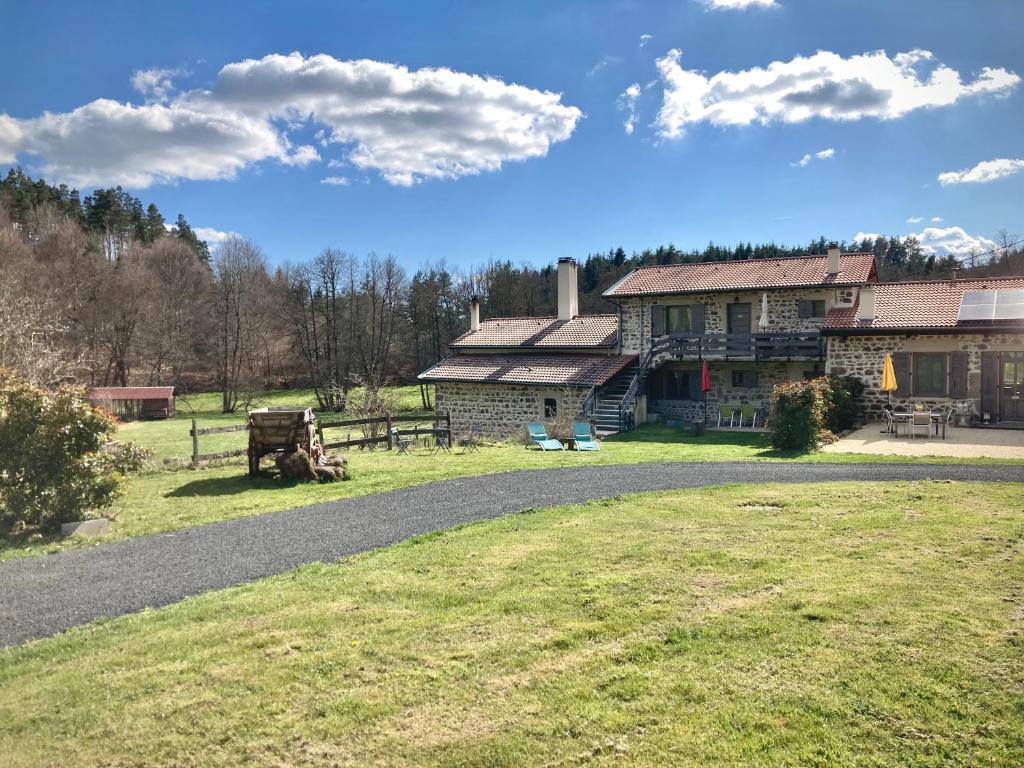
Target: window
678,318
744,378
810,308
929,374
675,385
550,408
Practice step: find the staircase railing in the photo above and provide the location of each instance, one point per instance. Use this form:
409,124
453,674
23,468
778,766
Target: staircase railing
589,403
626,420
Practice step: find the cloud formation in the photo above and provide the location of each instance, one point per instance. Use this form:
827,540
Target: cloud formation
983,172
408,125
627,103
944,241
738,5
915,219
824,154
824,85
336,181
213,236
645,39
155,85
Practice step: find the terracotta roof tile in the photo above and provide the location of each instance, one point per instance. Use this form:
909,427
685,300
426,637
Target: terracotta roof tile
131,393
749,274
551,370
542,332
920,304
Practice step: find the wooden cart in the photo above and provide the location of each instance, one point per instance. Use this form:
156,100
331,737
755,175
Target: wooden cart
281,429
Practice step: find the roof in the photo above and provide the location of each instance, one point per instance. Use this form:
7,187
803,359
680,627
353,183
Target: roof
748,274
542,332
918,304
131,393
551,370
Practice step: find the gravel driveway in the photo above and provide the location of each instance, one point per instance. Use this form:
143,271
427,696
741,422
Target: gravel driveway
41,596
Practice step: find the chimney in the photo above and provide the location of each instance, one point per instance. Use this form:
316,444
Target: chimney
867,304
833,259
568,292
474,313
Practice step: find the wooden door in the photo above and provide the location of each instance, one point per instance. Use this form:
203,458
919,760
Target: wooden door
738,325
1011,386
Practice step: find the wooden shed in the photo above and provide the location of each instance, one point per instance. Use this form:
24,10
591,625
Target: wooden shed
135,402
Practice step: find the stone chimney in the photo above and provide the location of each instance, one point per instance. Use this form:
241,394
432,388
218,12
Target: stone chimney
867,304
474,313
833,259
568,291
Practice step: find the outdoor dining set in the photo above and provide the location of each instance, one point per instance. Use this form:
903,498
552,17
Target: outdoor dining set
916,421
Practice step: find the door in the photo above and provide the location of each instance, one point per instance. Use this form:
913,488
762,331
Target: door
739,342
1011,387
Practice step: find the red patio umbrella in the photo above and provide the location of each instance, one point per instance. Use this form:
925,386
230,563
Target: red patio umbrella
705,385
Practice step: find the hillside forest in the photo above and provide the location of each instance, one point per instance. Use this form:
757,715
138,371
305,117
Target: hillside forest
103,290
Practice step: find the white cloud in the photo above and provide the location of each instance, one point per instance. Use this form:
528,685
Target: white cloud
915,219
983,172
602,63
935,219
409,125
824,85
627,103
824,154
944,241
645,39
739,5
156,85
213,236
337,181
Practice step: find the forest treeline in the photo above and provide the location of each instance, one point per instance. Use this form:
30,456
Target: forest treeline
101,291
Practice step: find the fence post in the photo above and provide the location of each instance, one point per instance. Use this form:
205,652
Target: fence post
195,443
387,427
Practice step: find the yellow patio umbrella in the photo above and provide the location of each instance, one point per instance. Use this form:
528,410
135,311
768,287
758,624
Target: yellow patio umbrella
888,375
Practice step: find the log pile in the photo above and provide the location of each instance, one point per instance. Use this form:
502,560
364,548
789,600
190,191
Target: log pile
298,466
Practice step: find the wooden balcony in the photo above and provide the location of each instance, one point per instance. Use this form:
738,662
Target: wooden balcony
804,345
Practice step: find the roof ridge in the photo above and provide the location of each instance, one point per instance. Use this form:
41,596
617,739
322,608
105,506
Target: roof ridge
750,261
949,281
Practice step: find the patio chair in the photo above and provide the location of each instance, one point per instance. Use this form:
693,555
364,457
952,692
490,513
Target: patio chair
921,419
891,425
538,436
440,443
471,442
947,423
402,442
582,438
726,411
748,412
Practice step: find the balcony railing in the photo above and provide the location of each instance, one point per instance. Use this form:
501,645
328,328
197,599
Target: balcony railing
806,345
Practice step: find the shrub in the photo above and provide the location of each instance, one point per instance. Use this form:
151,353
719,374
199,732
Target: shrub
53,468
845,404
800,414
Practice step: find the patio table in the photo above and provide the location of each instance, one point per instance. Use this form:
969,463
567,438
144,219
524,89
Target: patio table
906,417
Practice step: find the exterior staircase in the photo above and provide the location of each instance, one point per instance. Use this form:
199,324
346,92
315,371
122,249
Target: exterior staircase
609,401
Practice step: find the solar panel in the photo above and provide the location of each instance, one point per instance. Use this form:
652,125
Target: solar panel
980,306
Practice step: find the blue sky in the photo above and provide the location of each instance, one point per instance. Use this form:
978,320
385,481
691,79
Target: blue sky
710,156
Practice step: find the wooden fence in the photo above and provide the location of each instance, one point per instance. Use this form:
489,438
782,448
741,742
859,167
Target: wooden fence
442,428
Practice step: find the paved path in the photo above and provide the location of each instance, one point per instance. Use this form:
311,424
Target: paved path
41,596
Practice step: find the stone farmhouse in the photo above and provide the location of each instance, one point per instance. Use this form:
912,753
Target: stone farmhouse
756,323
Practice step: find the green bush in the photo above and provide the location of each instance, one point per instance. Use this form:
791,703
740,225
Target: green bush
800,414
845,404
53,466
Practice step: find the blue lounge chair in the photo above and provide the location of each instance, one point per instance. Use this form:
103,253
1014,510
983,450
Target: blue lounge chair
582,437
539,437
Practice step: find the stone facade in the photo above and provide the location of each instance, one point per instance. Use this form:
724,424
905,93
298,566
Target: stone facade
722,390
783,312
863,357
501,411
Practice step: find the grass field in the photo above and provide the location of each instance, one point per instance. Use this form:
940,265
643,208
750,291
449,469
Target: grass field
839,624
168,500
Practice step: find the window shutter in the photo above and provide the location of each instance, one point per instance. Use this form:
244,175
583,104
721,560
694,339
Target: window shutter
695,385
901,367
657,320
990,384
697,318
804,309
958,375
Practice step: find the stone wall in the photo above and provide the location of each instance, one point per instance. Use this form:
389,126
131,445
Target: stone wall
863,357
783,312
722,390
501,411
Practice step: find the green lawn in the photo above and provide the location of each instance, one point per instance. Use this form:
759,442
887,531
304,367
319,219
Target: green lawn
839,624
169,500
